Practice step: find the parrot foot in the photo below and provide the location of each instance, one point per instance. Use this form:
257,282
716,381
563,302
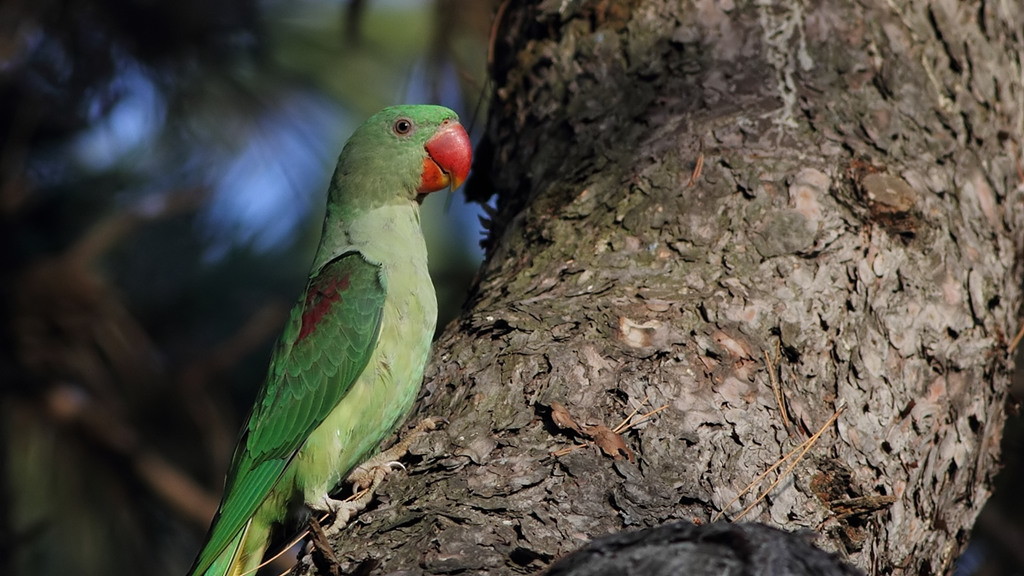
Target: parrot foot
365,476
342,511
368,476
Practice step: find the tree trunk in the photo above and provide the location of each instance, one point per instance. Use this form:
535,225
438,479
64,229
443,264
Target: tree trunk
685,189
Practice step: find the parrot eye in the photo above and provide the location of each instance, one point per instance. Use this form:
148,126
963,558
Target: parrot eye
402,126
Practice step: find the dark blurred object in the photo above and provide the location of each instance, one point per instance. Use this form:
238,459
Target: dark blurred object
719,549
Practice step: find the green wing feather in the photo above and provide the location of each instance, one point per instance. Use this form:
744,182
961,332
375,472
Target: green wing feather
327,343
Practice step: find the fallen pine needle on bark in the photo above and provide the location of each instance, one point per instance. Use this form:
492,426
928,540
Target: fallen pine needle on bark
1016,339
697,171
622,428
631,414
776,389
802,448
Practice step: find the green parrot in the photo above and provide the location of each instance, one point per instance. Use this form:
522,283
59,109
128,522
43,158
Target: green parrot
351,359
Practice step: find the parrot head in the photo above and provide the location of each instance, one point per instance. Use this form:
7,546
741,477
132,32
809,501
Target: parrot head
404,153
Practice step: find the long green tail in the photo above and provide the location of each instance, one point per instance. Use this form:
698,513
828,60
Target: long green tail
243,554
240,531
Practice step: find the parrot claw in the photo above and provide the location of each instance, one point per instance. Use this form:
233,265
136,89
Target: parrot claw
365,476
342,511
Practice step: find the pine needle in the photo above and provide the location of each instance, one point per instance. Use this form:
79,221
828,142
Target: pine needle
802,448
1016,339
776,389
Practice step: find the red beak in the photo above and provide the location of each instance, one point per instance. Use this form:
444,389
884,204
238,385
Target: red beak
449,155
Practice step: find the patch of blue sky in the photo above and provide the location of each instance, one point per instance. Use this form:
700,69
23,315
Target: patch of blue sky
264,195
122,131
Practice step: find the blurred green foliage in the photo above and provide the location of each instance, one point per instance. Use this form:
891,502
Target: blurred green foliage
162,172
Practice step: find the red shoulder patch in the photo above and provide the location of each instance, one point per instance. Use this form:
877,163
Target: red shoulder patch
323,293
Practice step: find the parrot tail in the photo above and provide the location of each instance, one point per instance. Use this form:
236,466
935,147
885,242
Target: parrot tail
243,555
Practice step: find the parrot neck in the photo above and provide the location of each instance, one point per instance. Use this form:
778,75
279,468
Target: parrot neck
387,234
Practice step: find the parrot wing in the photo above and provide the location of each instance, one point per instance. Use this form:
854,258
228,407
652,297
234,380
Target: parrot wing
327,343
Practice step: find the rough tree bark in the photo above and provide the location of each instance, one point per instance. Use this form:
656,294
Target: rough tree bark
683,187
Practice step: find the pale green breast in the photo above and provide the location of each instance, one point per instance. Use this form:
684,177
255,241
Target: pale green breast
386,389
